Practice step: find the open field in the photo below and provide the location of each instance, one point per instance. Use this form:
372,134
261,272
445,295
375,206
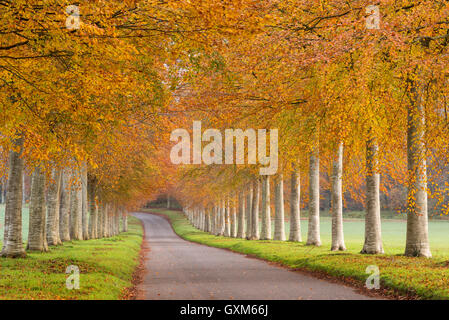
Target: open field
106,267
426,278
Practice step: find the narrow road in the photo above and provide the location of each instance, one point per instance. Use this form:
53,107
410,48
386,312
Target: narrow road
181,270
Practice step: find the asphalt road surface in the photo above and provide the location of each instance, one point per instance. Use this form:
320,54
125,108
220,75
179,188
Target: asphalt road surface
181,270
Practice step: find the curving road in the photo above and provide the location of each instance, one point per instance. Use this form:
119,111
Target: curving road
181,270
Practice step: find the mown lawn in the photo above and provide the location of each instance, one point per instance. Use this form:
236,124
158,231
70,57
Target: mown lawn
427,278
106,267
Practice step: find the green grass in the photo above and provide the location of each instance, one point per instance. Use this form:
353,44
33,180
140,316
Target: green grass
427,278
106,268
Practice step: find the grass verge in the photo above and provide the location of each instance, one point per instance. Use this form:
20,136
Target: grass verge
106,269
413,277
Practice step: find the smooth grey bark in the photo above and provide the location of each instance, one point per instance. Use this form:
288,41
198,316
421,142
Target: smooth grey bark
118,213
93,210
108,221
168,201
222,218
105,220
112,212
53,199
76,211
373,234
265,233
37,213
204,217
295,213
111,221
101,229
338,242
227,232
417,239
124,221
217,219
24,197
64,222
13,246
5,230
233,220
255,233
241,227
85,203
213,221
248,210
313,234
207,227
279,224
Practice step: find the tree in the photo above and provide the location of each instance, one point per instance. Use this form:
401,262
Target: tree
295,217
53,207
279,231
313,237
417,242
266,209
241,216
37,240
12,244
64,221
373,238
337,201
255,210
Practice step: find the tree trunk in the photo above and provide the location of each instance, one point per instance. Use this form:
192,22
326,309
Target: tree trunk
295,213
212,220
91,196
76,211
255,234
118,213
107,231
313,234
233,220
266,209
101,220
207,222
168,201
53,194
64,223
249,204
13,244
124,221
105,220
226,207
417,240
217,219
279,227
222,218
241,228
85,203
36,236
373,235
338,242
24,197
